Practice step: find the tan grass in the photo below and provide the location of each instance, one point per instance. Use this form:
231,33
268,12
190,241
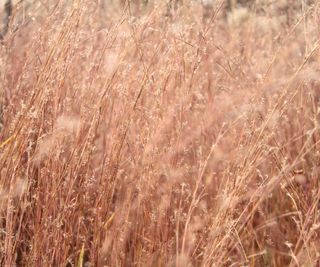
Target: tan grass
137,136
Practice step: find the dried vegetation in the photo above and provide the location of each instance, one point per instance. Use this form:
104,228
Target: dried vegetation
148,138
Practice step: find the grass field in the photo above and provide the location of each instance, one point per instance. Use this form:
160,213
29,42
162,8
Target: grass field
160,135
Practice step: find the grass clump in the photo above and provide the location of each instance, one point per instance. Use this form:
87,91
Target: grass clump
136,137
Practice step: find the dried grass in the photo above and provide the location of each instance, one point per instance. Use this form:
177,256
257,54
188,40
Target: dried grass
159,139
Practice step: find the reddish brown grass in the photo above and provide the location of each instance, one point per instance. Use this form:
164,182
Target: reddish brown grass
138,138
